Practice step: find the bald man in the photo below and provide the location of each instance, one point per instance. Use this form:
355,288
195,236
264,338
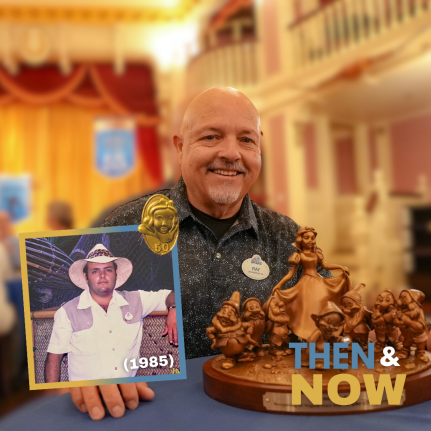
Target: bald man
219,152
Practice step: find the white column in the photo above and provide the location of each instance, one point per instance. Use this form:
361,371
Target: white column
295,164
362,157
384,152
327,181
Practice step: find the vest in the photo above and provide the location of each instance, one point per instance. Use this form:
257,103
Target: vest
81,319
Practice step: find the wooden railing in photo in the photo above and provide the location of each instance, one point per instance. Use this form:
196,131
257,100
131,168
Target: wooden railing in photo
232,64
152,344
343,25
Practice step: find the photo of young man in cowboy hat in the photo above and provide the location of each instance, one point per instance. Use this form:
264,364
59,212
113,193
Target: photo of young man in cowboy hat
102,327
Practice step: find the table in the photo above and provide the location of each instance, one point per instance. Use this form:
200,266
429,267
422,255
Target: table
183,405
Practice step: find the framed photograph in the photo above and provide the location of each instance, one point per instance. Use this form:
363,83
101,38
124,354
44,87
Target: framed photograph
100,308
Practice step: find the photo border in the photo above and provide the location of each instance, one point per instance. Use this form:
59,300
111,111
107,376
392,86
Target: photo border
27,313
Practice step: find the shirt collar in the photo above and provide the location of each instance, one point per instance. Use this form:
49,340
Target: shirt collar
246,219
86,301
247,215
179,196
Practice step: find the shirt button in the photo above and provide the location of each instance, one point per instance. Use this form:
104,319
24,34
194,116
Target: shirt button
115,367
218,255
113,349
110,332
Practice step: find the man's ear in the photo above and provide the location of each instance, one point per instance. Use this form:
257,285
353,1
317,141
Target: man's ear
261,138
178,143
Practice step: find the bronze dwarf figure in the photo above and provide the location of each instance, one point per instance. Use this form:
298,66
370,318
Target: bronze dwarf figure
410,318
329,324
382,318
253,318
277,326
227,333
356,316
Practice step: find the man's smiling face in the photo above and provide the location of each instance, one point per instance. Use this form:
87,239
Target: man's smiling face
219,149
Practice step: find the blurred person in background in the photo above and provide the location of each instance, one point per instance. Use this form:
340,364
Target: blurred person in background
9,335
7,311
9,241
59,216
12,336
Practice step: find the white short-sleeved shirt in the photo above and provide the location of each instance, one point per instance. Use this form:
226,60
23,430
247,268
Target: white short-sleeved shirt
99,352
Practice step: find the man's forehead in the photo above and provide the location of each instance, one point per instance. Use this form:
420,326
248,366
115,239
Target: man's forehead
94,265
216,119
217,104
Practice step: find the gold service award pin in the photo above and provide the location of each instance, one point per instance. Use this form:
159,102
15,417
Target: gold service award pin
159,224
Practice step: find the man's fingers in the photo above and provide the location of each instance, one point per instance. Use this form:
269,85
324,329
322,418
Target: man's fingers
130,395
93,402
113,400
78,399
173,336
145,393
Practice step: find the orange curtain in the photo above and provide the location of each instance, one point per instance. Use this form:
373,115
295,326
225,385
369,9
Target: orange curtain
54,143
46,130
94,86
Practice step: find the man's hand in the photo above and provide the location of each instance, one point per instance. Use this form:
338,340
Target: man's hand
171,327
116,398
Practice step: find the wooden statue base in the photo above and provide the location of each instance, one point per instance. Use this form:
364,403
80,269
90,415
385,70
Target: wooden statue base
265,385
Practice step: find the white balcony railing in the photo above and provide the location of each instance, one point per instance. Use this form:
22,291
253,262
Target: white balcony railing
344,24
232,65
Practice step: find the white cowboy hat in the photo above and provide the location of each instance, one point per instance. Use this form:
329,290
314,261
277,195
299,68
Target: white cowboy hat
100,254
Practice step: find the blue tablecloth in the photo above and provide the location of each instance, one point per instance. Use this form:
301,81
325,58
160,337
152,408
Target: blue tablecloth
183,405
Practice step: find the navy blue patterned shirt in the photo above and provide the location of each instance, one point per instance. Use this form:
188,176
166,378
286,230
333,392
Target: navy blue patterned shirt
211,270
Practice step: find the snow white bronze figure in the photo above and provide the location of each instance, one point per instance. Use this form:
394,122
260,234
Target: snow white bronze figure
312,291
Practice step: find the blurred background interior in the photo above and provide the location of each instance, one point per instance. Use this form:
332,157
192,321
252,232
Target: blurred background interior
90,97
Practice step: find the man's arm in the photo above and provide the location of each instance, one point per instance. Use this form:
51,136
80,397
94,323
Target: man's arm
58,346
171,320
52,367
170,300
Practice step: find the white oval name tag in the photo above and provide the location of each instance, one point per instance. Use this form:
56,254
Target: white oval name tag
255,268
